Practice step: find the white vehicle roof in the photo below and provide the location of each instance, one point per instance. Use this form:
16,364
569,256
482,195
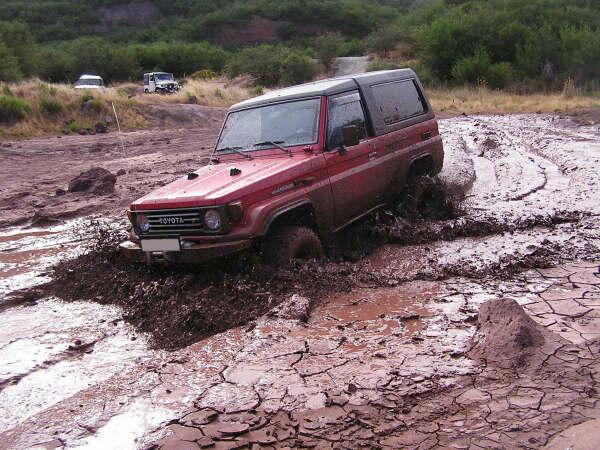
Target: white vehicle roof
90,77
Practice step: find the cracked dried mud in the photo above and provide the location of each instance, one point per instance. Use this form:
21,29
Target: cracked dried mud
478,331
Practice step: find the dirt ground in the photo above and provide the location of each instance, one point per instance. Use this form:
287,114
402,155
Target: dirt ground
477,331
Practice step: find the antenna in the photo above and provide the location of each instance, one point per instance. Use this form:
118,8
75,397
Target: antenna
118,126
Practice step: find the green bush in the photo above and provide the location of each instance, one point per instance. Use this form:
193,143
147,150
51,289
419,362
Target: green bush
297,68
328,47
479,68
500,75
75,127
382,41
272,65
9,65
263,63
353,47
51,107
472,69
378,63
90,104
13,109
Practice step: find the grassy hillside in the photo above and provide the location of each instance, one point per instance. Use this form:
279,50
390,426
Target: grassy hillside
524,45
35,108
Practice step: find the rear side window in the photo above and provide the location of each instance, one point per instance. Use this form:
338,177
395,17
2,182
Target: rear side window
398,101
344,110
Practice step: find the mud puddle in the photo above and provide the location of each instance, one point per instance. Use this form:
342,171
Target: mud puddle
27,253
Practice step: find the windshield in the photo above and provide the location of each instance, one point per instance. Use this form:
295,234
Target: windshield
89,82
288,124
163,77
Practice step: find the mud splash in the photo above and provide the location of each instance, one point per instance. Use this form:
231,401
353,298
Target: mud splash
523,207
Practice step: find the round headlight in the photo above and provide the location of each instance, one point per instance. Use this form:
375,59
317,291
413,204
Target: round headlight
212,219
142,223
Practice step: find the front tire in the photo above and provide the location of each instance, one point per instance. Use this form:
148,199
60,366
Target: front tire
289,243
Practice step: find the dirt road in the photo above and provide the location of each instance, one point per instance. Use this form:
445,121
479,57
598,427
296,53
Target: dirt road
478,331
350,65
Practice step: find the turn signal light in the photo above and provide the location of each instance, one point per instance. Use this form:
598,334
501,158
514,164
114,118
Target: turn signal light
235,212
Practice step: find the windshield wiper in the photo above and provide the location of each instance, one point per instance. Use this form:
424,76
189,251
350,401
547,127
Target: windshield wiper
275,144
235,150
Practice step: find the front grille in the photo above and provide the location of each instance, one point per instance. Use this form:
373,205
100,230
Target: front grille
175,221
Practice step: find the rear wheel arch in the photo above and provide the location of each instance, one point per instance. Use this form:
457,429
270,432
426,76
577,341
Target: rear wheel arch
423,165
420,166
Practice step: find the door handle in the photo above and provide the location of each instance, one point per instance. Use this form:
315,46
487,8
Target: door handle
426,135
373,155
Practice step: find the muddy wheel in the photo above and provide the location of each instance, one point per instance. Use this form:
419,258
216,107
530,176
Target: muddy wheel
288,243
427,198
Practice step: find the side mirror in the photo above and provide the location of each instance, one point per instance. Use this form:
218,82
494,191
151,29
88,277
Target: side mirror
350,136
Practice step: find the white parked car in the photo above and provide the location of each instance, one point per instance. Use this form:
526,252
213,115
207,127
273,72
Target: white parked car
89,82
160,82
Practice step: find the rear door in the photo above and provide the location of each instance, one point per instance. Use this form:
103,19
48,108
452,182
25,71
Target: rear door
402,109
355,182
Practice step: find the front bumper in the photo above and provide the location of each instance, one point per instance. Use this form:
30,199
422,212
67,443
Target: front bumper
193,252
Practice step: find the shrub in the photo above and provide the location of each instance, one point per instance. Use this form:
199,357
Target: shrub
472,69
75,127
500,75
9,65
204,74
13,108
381,64
51,107
383,40
328,48
263,63
297,68
353,47
479,69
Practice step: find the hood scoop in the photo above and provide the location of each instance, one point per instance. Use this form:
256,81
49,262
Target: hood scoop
192,175
234,171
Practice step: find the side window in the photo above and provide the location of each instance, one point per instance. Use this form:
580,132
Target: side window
398,100
146,79
344,110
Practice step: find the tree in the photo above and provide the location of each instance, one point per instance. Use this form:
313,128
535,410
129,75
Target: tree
328,47
383,40
263,63
19,42
297,68
9,65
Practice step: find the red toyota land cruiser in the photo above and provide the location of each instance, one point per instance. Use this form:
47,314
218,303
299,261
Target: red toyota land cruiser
292,167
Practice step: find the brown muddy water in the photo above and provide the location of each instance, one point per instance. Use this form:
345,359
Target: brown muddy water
103,355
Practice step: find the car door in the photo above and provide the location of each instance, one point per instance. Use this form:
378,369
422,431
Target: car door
353,171
401,107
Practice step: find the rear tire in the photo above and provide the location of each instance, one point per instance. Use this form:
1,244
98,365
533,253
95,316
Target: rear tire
291,242
427,198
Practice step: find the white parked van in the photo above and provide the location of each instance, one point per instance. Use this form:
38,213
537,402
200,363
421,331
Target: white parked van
160,82
89,82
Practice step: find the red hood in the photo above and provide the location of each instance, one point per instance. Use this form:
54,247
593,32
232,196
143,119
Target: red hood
215,185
